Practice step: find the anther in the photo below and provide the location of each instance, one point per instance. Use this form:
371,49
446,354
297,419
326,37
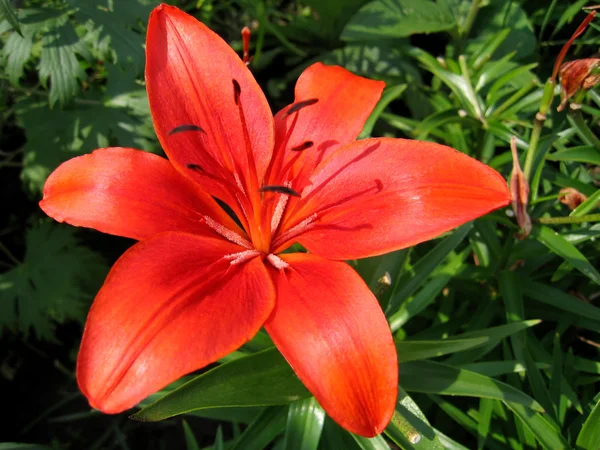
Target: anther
277,262
303,146
246,33
303,104
182,128
194,167
237,91
280,190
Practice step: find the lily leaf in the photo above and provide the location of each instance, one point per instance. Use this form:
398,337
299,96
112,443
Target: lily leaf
260,379
435,378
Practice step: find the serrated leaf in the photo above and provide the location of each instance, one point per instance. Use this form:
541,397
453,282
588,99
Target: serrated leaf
16,52
398,18
55,283
78,129
59,63
8,13
117,21
261,379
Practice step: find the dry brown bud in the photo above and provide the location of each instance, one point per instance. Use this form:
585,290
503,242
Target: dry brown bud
576,75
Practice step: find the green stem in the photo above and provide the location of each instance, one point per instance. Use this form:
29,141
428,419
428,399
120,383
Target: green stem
538,123
470,19
570,219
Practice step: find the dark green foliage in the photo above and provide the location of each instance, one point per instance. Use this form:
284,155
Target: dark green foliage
55,282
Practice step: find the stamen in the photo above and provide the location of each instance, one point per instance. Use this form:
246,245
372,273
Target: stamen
296,230
195,167
298,106
237,91
277,262
279,210
227,233
279,189
303,146
240,257
187,127
239,183
246,44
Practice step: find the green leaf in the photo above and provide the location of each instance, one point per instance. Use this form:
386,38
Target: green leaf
495,368
416,350
409,427
558,299
436,378
496,16
398,18
587,206
431,289
545,433
559,245
583,153
8,13
59,63
376,443
260,379
409,282
589,436
117,21
55,283
78,129
389,94
16,52
190,440
304,425
219,444
267,426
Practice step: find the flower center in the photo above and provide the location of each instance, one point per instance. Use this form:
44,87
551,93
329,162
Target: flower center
260,207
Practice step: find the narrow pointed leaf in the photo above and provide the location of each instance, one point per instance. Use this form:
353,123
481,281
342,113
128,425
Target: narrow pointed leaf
304,425
435,378
409,283
190,440
256,380
417,350
546,434
559,245
589,436
409,427
263,430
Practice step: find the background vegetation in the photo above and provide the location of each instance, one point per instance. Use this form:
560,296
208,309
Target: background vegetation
497,333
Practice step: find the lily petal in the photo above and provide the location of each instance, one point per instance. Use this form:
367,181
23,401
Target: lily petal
330,328
128,193
192,76
379,195
170,305
344,102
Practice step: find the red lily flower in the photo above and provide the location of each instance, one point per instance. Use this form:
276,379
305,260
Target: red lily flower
198,285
